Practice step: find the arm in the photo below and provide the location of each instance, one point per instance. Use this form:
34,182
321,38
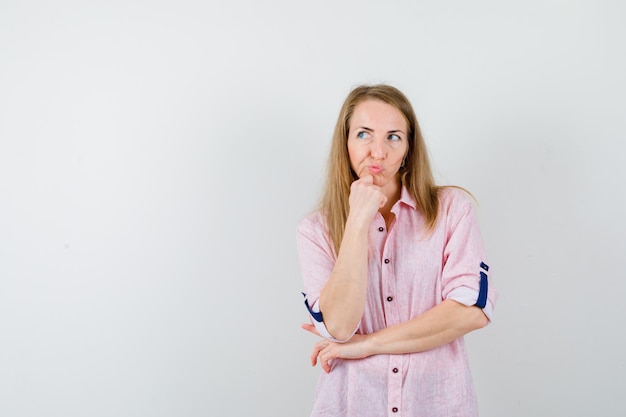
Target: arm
438,326
342,300
464,283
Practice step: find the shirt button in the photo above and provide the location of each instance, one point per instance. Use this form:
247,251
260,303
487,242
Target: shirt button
380,229
386,261
390,298
395,370
394,409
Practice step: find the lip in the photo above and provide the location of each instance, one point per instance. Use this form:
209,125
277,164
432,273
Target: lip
375,169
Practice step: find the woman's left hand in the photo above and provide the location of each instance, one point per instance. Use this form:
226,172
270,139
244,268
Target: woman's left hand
327,350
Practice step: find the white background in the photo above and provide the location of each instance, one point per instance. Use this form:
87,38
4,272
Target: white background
156,156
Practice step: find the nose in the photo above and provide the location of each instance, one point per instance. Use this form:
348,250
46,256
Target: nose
377,149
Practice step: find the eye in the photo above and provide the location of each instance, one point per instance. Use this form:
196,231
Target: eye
394,137
362,135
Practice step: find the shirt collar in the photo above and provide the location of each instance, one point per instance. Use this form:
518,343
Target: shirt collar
405,198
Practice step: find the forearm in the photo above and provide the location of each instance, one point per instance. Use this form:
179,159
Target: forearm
438,326
342,300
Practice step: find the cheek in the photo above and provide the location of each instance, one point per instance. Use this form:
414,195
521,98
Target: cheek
404,152
399,157
353,154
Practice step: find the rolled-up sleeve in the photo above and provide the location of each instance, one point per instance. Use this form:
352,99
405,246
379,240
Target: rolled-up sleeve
466,271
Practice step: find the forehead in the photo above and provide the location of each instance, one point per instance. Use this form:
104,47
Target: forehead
376,114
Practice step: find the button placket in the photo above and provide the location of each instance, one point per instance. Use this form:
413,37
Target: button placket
395,383
394,396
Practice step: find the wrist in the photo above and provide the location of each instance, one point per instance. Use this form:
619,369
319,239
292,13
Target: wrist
357,225
370,345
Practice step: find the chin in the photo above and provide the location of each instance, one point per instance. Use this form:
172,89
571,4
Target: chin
381,182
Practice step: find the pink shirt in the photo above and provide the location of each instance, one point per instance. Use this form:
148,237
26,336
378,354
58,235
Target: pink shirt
410,271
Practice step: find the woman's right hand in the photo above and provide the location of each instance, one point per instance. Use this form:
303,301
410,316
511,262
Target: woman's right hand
365,199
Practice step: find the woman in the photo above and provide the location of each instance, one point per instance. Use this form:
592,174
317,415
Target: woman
394,271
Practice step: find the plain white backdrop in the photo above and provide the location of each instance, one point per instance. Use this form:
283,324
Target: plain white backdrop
156,156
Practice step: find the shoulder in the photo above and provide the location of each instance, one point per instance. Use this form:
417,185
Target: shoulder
455,198
314,222
312,231
455,204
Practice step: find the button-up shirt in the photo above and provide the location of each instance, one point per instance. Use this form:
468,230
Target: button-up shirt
411,270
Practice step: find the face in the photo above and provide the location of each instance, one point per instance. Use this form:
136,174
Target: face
378,143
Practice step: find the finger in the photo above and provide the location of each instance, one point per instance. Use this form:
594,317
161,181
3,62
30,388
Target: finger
310,328
326,357
325,363
314,357
367,179
317,349
315,354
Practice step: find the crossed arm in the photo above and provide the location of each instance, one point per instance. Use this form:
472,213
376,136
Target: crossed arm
436,327
342,299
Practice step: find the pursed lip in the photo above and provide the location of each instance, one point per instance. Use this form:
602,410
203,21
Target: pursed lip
375,169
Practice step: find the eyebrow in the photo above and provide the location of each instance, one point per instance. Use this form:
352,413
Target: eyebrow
390,131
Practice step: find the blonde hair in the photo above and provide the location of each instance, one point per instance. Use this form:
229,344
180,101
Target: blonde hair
415,175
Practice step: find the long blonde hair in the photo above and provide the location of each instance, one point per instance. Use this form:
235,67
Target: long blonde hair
415,175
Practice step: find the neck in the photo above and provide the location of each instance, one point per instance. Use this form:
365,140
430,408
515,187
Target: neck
393,195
